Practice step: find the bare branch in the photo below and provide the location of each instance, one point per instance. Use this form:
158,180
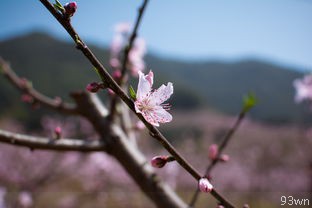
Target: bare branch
62,144
132,39
127,50
109,81
222,146
54,104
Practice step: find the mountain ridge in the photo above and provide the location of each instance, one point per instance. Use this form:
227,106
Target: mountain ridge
218,85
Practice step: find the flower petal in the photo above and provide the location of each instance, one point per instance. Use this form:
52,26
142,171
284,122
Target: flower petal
162,94
144,87
150,118
160,115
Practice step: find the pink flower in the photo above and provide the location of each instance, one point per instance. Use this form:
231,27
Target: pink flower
303,88
213,151
25,199
136,55
135,60
119,41
204,185
150,103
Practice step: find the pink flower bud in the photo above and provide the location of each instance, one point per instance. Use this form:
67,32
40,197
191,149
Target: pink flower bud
220,206
70,8
117,74
204,185
26,98
114,62
111,92
23,82
246,206
139,125
159,161
93,87
213,151
58,132
224,158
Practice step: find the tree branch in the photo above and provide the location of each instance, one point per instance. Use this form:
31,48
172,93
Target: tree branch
109,81
127,50
24,87
129,156
222,146
43,143
132,39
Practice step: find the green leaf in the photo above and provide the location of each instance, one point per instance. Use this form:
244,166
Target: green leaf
58,6
249,101
132,93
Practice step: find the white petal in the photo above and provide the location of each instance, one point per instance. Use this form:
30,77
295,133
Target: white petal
144,87
148,116
162,94
160,115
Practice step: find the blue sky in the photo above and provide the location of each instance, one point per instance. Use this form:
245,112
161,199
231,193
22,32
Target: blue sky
277,30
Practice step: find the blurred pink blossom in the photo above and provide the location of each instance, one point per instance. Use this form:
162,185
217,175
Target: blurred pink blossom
136,55
213,152
123,28
303,88
58,132
224,158
26,98
111,92
25,199
150,103
139,125
116,74
135,58
204,185
3,192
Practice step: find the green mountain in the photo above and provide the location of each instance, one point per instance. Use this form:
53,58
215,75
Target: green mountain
56,67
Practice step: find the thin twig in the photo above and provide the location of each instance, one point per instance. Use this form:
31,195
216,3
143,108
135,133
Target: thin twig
222,146
63,144
109,81
125,59
131,40
37,96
